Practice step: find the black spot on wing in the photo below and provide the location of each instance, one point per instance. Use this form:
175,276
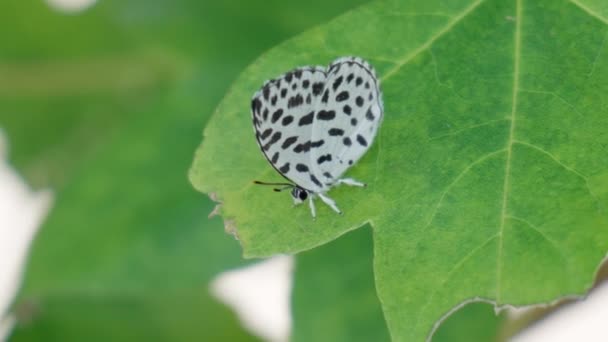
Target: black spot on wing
317,88
306,119
288,77
347,141
295,101
265,114
337,83
336,132
284,169
350,77
325,96
301,168
298,73
276,115
323,159
353,122
287,120
347,110
317,143
328,175
256,105
316,181
305,147
275,158
358,81
283,93
361,140
273,100
288,142
326,115
343,96
266,92
275,137
266,133
308,99
369,115
359,101
305,84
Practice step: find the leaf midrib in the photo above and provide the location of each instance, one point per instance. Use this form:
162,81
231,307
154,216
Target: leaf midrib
512,118
509,147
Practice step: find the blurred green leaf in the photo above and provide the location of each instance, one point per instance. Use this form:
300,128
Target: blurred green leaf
489,177
176,317
473,322
106,107
334,299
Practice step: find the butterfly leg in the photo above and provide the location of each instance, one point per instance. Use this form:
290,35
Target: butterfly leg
311,204
330,202
351,182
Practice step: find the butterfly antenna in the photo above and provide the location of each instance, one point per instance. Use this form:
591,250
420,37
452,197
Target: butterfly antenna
265,183
285,185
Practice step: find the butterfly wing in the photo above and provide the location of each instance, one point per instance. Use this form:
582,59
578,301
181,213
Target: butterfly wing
347,117
283,113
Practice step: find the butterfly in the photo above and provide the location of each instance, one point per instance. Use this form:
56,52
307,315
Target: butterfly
313,123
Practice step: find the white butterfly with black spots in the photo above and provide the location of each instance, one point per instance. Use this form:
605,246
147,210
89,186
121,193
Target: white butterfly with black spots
313,123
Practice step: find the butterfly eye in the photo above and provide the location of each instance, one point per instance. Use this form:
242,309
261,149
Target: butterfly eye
303,195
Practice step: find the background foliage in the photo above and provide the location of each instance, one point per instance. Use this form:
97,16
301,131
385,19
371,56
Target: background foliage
106,107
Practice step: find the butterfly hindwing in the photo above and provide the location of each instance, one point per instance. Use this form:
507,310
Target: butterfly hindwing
347,117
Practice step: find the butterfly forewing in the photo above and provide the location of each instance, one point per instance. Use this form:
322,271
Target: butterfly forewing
283,115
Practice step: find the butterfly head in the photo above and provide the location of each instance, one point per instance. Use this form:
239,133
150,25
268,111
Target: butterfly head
298,194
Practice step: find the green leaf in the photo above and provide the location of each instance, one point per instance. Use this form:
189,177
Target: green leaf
106,108
489,177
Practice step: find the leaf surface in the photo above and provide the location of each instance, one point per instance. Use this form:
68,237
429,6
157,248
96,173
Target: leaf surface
489,177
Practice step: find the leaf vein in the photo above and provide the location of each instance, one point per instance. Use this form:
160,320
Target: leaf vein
450,273
456,132
407,58
590,12
456,179
539,232
554,94
566,167
550,155
597,56
505,190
